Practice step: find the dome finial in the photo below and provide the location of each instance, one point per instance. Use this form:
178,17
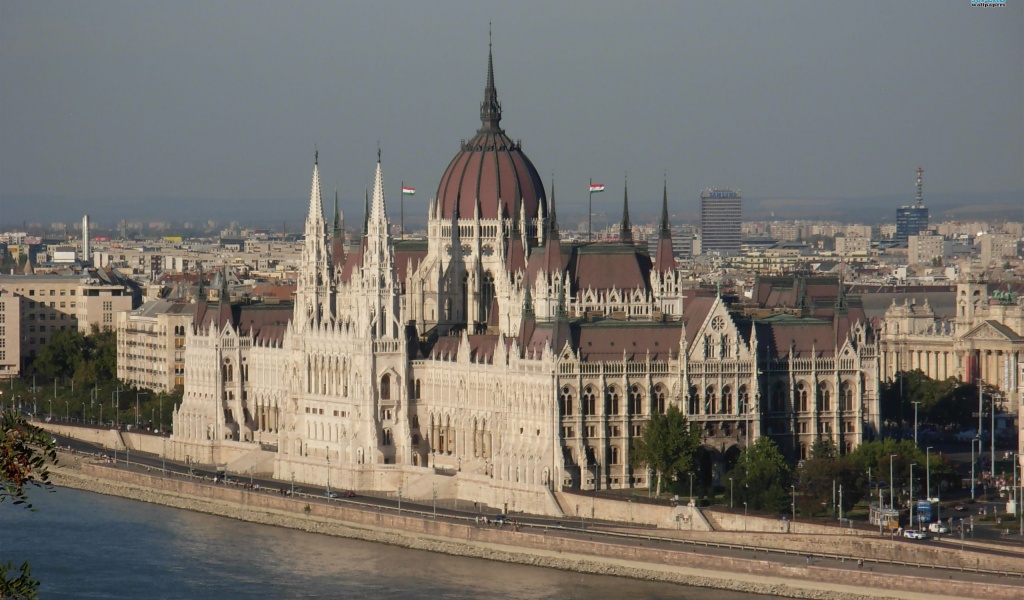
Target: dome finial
490,108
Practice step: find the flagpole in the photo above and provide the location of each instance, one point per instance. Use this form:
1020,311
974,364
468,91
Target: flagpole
402,209
590,212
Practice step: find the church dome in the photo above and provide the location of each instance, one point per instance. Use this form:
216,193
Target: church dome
491,169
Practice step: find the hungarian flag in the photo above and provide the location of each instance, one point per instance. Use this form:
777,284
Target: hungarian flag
596,187
408,191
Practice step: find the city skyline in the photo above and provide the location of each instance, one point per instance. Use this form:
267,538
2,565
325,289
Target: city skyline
796,114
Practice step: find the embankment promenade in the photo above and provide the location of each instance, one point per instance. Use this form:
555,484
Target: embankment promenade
535,548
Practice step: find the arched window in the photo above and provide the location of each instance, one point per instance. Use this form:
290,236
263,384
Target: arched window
612,400
636,400
486,297
726,347
694,400
743,400
778,401
385,387
727,400
228,371
616,458
801,396
589,402
846,391
387,439
565,401
710,400
659,399
824,397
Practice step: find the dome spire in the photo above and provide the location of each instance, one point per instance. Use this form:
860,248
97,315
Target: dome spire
490,108
664,208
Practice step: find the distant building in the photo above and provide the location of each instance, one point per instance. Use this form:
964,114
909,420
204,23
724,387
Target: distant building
151,344
924,248
53,303
912,220
10,333
721,212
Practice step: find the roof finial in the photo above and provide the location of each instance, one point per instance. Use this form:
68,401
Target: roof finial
316,155
378,151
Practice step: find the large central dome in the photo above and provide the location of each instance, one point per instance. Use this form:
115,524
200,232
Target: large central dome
490,169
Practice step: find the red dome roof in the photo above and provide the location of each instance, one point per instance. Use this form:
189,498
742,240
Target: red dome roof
491,169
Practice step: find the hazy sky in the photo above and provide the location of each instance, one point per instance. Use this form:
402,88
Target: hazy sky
225,100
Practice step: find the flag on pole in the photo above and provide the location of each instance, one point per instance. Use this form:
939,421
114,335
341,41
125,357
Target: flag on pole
596,187
408,191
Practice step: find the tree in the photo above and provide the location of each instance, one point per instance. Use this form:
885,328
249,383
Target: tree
668,445
25,454
762,476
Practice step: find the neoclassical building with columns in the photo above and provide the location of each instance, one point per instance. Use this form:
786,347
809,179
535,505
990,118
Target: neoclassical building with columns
494,362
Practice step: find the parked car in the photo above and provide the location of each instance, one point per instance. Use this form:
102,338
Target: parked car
350,494
331,494
937,528
960,507
914,534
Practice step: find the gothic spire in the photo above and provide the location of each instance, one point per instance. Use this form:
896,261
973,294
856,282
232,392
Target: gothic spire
378,209
664,258
552,217
366,212
490,108
665,229
337,216
626,229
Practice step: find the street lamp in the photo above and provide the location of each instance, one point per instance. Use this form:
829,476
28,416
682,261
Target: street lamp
912,465
399,499
328,474
928,472
916,402
293,484
892,491
690,473
794,502
972,463
744,516
137,394
730,492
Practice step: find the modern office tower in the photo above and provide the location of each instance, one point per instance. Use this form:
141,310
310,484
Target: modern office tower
721,211
911,220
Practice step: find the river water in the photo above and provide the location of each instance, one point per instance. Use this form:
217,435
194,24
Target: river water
85,545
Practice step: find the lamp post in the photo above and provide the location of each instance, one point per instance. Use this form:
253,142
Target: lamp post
433,495
912,494
840,504
690,473
972,464
137,394
928,472
892,491
916,402
744,516
163,458
399,499
293,484
51,409
67,410
730,492
328,474
794,502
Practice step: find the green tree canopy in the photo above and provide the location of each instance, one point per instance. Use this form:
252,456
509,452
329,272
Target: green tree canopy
668,446
762,476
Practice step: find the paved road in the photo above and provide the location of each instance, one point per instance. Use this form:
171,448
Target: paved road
562,527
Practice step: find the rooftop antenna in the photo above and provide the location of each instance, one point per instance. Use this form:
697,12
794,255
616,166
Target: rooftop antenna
920,198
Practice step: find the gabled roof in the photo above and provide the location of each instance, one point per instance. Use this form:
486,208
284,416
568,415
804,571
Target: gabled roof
603,266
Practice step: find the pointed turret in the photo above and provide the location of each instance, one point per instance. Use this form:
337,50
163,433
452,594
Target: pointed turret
313,291
625,228
338,236
665,261
552,246
378,209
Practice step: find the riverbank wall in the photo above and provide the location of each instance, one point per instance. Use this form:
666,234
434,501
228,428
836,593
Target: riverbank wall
535,548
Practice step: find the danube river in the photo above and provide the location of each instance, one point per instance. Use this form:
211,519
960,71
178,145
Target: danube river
84,545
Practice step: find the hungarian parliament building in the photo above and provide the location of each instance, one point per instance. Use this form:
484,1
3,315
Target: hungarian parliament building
498,360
